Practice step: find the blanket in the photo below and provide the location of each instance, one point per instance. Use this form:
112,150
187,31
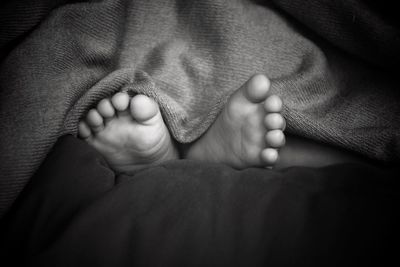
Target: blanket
76,212
190,56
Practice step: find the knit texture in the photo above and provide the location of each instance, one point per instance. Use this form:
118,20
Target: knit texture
190,56
19,17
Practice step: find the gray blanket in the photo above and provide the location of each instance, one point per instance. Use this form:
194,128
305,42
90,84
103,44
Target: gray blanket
190,56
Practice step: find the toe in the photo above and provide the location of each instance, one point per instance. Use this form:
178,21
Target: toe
143,108
273,104
257,88
275,138
95,120
84,130
269,156
120,101
106,109
274,121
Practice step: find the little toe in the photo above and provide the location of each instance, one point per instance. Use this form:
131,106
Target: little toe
273,104
269,156
257,88
84,131
275,138
106,109
143,108
120,101
274,121
95,120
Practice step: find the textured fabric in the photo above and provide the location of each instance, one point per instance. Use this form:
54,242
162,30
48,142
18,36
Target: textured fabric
190,56
76,212
364,28
18,17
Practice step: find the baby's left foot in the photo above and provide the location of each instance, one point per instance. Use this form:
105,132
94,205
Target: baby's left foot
248,132
129,133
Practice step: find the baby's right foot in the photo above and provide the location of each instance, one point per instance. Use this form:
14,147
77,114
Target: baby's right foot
248,132
129,133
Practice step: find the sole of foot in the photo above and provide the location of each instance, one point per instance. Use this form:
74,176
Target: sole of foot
129,132
248,132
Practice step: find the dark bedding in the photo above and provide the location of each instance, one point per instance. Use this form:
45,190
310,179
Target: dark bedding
77,212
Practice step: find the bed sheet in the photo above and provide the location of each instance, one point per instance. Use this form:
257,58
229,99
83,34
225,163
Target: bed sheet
77,212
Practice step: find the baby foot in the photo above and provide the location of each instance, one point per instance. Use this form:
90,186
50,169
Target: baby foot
248,132
129,133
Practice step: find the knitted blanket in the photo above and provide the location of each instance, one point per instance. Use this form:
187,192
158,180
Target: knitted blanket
190,56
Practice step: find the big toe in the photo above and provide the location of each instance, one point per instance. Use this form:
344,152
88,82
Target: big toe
257,88
143,108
